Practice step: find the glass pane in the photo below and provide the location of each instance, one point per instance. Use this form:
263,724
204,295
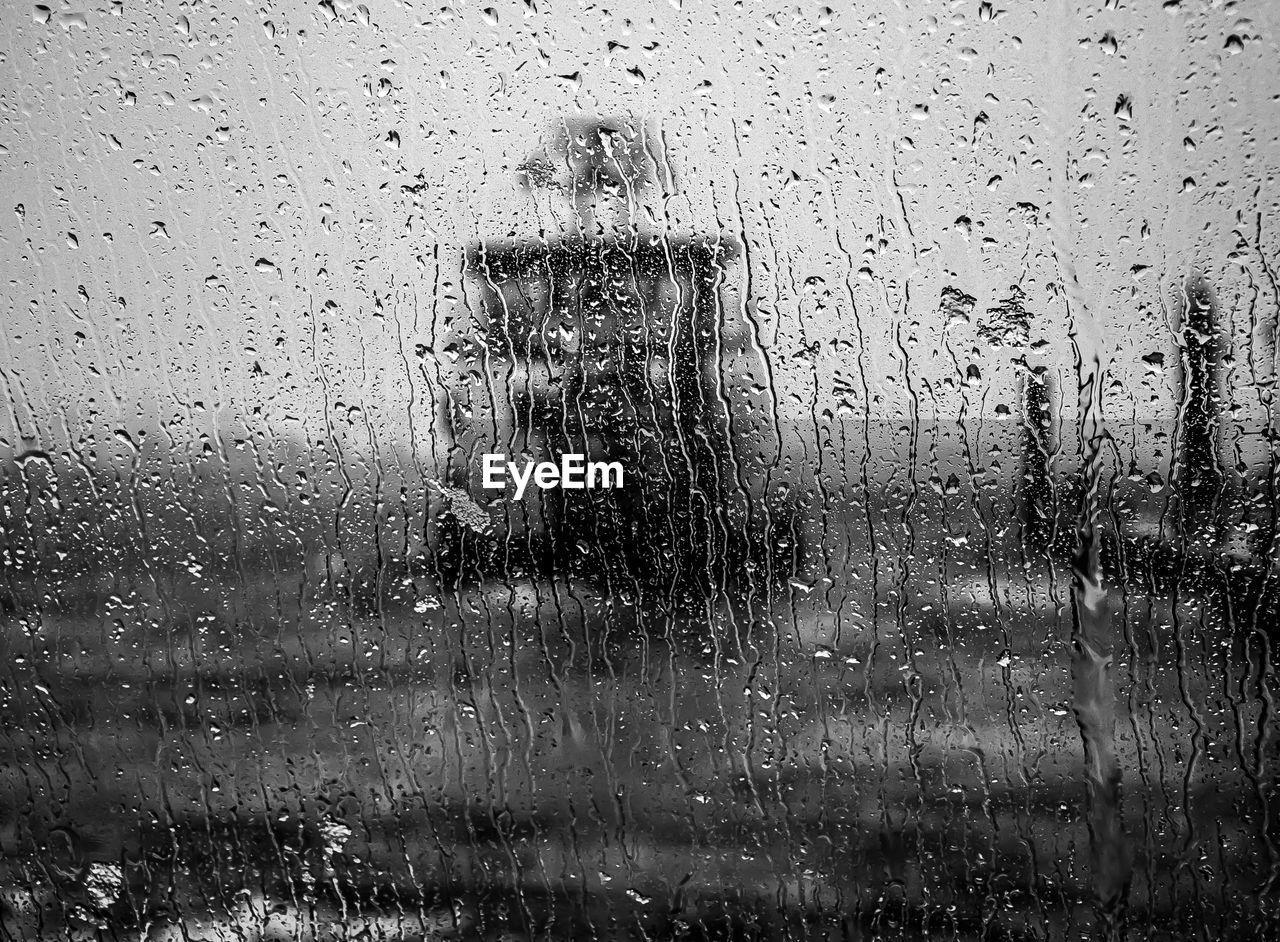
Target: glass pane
658,471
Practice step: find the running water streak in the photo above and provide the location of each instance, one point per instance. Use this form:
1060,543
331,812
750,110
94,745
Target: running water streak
1093,688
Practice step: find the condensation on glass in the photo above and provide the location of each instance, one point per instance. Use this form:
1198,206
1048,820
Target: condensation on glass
937,342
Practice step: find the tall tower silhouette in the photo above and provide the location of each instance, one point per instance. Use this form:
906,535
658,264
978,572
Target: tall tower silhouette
607,337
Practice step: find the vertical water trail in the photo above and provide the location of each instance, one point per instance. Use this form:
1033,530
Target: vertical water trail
1093,691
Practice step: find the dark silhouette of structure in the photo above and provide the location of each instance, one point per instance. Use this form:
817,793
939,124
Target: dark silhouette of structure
611,342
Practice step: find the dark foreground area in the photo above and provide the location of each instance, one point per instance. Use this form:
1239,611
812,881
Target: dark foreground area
307,739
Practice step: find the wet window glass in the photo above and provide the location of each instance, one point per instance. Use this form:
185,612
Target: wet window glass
644,471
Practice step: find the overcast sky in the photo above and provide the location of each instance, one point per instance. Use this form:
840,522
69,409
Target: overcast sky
223,217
